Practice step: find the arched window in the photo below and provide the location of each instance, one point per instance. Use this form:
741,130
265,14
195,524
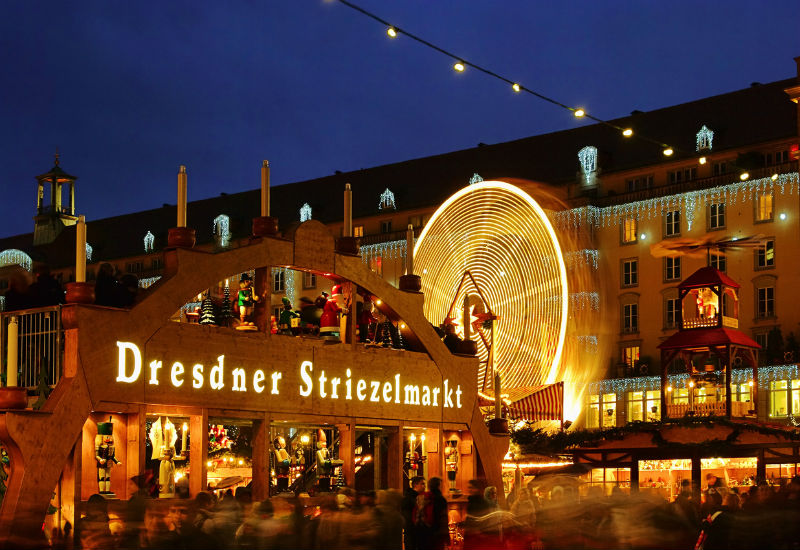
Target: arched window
387,201
588,159
149,239
222,232
305,212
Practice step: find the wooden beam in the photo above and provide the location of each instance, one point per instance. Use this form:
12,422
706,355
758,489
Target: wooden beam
261,477
198,452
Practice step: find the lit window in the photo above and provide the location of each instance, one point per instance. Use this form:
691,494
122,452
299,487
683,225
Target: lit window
764,207
358,231
305,212
630,355
716,216
630,272
672,269
222,230
635,406
672,223
629,233
778,398
765,255
705,139
630,318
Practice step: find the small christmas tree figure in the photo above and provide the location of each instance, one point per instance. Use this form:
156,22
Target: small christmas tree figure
207,311
4,462
225,315
401,342
43,389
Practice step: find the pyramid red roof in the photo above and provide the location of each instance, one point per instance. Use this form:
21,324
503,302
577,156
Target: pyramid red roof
701,338
707,276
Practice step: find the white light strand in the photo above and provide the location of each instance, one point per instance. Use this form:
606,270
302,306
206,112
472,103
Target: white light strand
583,257
149,240
705,139
222,229
387,201
588,342
88,252
476,178
2,303
305,212
12,256
389,249
610,216
588,159
148,281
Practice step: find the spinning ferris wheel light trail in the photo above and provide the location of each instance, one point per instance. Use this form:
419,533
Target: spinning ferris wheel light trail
502,238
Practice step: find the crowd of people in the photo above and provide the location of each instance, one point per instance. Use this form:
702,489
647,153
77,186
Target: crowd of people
762,516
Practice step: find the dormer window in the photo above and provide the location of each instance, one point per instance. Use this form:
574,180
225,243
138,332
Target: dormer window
88,252
387,201
149,239
705,138
305,212
222,230
588,159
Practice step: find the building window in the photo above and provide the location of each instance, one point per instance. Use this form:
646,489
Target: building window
276,313
672,269
720,168
309,280
629,228
305,212
630,355
718,262
588,160
765,255
644,406
765,302
672,223
678,176
639,183
779,157
779,397
415,221
278,280
630,318
705,139
672,312
602,411
387,201
376,265
761,339
764,207
134,267
386,226
358,231
716,216
630,272
222,230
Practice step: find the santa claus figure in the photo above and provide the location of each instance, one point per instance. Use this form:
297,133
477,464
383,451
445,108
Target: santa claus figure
329,326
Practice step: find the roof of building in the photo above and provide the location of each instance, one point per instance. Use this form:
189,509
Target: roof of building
753,115
705,337
707,276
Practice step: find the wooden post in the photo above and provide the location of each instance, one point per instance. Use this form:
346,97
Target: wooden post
262,287
394,461
697,481
664,384
261,479
137,439
433,442
728,396
347,451
635,474
198,452
761,467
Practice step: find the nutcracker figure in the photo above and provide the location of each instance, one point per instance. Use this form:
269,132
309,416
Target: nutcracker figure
282,463
246,300
286,318
104,455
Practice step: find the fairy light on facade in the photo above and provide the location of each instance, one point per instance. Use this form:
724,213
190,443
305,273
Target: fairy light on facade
222,230
705,139
476,178
88,252
149,240
387,201
490,228
12,256
305,212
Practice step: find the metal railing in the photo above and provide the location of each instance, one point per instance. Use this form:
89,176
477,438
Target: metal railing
715,408
40,344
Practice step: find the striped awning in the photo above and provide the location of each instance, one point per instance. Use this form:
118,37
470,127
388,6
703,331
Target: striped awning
532,402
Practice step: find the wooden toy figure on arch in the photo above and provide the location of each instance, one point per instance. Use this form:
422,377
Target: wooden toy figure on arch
131,362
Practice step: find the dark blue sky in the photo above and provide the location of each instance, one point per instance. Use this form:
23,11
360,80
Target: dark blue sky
130,90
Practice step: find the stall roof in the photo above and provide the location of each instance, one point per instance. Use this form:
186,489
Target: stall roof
703,338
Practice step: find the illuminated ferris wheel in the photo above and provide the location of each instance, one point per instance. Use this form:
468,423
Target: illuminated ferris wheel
491,251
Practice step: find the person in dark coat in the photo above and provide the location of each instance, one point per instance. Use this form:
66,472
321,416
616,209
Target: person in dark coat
407,510
46,291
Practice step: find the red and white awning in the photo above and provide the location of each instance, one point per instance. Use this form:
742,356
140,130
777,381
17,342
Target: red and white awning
532,403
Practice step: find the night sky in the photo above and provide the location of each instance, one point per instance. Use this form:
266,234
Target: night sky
128,91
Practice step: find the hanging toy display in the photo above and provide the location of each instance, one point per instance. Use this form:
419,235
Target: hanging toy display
246,301
329,326
104,454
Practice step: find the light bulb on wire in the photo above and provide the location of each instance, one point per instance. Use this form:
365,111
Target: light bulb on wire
579,113
627,132
516,87
459,66
392,32
668,152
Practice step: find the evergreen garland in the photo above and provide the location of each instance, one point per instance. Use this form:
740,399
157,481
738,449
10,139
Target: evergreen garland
538,441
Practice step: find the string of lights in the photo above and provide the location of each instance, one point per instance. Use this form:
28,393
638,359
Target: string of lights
460,64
